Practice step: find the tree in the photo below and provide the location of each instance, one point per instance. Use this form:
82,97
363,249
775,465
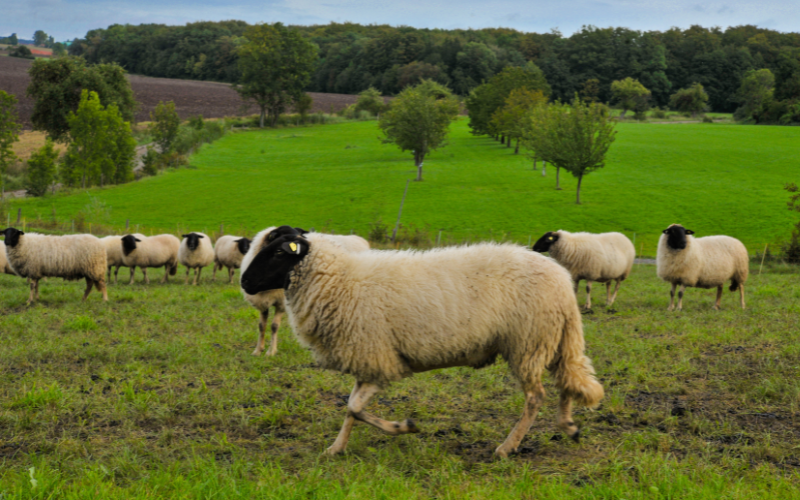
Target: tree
9,134
690,100
21,51
419,120
591,90
57,84
511,119
102,145
39,38
41,170
370,100
164,125
59,49
575,138
755,92
629,94
276,64
303,106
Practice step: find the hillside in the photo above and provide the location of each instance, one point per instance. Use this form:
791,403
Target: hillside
714,179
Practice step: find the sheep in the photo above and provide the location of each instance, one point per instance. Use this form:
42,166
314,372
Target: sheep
603,257
706,262
153,251
384,315
113,246
196,252
228,252
35,256
275,298
5,267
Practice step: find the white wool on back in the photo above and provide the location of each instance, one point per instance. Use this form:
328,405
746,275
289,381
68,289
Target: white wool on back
706,262
201,256
594,257
154,251
73,256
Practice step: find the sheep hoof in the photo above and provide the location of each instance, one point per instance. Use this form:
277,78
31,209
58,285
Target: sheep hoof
577,436
500,452
411,426
256,353
332,451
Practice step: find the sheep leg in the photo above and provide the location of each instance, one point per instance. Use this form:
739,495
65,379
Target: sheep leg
146,279
680,297
197,275
89,285
672,297
262,333
37,288
614,296
741,293
719,297
533,401
608,292
231,272
214,273
101,287
575,287
565,421
34,292
186,281
340,444
109,274
588,295
276,323
133,271
116,275
165,279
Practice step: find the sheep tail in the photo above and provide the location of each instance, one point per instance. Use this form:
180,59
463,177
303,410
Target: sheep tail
574,372
173,270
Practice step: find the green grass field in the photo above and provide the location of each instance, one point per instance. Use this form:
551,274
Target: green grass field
156,395
714,179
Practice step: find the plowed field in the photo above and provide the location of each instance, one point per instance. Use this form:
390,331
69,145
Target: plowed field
211,99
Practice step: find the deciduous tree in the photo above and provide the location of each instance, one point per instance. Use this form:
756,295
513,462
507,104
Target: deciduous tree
9,134
630,94
511,120
419,120
39,38
41,172
756,90
370,100
164,125
276,64
692,100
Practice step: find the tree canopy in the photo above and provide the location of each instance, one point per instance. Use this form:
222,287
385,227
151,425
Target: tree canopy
275,64
419,120
630,94
9,134
690,100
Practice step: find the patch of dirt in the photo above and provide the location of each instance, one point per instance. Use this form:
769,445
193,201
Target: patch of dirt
191,97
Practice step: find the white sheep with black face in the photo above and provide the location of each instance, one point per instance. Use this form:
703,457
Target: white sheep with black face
384,315
603,257
113,246
196,252
72,257
707,262
5,267
153,251
263,301
229,252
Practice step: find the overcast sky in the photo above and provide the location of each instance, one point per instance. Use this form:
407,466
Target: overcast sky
66,19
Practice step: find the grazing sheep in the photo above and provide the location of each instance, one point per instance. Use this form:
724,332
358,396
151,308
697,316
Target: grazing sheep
706,262
384,315
603,257
113,246
5,267
228,252
196,252
73,257
153,251
263,301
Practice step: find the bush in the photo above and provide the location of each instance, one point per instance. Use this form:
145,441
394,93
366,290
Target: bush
378,232
659,113
164,125
41,170
707,119
21,51
150,160
196,122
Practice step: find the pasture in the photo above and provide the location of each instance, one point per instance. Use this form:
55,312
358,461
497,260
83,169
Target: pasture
712,178
156,395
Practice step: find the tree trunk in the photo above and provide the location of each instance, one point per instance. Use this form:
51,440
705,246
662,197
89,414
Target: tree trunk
544,168
508,142
516,150
418,157
502,139
261,118
622,115
534,163
578,197
558,174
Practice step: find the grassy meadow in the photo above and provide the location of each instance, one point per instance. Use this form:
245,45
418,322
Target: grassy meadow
156,395
713,178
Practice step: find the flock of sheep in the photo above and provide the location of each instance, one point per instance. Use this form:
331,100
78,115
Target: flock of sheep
382,316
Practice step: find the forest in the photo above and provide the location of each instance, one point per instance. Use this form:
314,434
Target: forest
353,57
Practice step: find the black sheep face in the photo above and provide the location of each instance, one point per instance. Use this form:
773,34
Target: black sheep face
129,242
243,244
544,243
282,231
193,240
271,267
11,236
676,236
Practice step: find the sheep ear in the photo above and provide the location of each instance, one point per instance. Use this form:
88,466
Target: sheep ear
184,236
301,231
200,236
666,231
138,240
689,231
295,247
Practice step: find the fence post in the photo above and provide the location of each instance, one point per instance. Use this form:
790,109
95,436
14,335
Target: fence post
19,215
221,229
394,233
763,256
439,239
127,224
529,240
